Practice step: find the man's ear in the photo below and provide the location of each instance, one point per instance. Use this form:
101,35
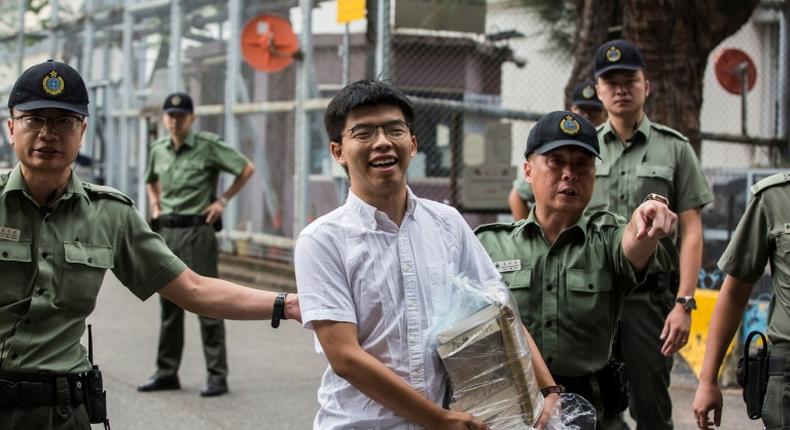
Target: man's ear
647,88
413,151
336,150
528,170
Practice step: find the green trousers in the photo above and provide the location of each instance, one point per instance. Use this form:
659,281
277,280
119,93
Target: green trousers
644,313
776,407
61,416
197,248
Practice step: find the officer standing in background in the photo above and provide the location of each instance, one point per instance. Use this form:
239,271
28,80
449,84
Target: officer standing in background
569,270
762,236
640,157
181,180
58,237
585,103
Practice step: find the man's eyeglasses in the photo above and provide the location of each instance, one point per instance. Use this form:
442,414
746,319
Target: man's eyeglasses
366,133
61,124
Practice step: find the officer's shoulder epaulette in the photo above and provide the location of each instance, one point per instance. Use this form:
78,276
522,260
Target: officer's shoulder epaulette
207,135
776,179
602,218
497,226
3,179
669,130
103,192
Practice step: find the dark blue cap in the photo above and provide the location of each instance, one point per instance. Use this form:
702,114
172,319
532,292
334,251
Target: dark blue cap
584,95
562,128
178,102
51,84
617,54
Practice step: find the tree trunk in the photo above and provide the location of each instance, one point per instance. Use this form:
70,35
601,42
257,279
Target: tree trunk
675,37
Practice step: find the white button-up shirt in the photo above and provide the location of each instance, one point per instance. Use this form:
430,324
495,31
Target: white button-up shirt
355,265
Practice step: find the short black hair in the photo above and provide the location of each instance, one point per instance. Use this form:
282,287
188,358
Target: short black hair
363,93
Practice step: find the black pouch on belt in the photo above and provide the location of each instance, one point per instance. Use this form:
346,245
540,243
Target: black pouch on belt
95,396
614,387
752,375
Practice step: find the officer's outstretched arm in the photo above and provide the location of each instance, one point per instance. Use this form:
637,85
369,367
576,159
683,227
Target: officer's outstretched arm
727,316
220,299
651,221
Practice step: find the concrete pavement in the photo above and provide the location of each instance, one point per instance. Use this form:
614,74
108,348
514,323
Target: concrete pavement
273,378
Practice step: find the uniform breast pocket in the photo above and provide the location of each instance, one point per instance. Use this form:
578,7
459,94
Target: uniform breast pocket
590,297
520,284
652,179
83,273
600,199
16,270
783,244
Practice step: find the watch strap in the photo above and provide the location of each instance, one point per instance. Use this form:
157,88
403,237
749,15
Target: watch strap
278,311
559,389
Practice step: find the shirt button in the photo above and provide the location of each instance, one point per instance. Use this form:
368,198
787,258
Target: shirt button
44,255
548,323
5,254
622,173
90,260
590,286
549,287
622,196
40,291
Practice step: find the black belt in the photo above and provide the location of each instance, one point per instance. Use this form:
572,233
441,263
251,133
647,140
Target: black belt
181,221
20,390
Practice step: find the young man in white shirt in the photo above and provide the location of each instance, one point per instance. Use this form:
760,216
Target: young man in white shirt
369,274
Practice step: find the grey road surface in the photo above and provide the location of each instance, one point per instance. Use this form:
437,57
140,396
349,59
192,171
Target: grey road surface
273,378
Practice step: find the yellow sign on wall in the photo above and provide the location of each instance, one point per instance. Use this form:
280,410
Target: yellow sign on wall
350,10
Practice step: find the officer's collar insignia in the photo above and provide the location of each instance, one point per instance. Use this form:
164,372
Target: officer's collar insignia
588,92
53,84
570,126
613,54
175,101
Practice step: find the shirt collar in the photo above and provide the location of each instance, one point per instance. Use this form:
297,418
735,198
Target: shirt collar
532,221
189,141
642,133
17,183
371,216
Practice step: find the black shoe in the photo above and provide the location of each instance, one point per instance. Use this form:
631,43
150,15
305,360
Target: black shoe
214,389
160,384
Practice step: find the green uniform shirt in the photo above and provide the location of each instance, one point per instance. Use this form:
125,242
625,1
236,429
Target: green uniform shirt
569,293
657,159
763,236
52,264
189,176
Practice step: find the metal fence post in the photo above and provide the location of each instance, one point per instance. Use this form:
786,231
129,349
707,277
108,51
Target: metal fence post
301,127
383,40
232,74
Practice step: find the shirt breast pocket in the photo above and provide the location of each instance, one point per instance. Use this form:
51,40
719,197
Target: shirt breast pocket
520,285
83,274
590,297
600,199
15,270
652,179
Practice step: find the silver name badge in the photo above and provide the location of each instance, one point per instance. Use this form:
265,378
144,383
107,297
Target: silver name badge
508,266
9,234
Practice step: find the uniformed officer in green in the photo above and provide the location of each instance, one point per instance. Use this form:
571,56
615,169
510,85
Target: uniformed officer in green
584,102
640,157
58,237
568,270
181,181
762,237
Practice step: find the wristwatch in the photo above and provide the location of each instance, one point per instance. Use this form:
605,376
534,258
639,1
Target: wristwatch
223,200
657,197
278,312
559,389
688,302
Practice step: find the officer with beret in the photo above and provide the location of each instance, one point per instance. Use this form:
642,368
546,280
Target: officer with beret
569,270
583,102
762,237
58,237
640,157
181,181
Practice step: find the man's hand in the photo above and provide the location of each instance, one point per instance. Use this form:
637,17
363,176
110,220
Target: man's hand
551,403
213,212
676,330
457,420
292,309
654,220
707,398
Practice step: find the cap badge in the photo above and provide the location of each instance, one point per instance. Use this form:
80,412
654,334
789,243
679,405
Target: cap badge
175,100
613,54
588,92
53,83
570,126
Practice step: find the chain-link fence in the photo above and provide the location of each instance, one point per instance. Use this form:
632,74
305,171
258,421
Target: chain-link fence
480,72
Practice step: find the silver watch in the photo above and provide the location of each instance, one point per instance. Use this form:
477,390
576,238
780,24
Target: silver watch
688,302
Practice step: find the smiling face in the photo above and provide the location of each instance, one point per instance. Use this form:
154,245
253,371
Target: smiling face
623,92
377,163
562,180
46,150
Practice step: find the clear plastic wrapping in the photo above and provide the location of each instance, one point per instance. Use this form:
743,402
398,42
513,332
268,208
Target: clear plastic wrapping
483,346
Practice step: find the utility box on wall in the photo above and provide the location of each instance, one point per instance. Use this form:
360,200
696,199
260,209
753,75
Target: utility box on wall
487,175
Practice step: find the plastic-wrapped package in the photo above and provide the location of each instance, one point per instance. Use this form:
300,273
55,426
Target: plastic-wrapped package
483,346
